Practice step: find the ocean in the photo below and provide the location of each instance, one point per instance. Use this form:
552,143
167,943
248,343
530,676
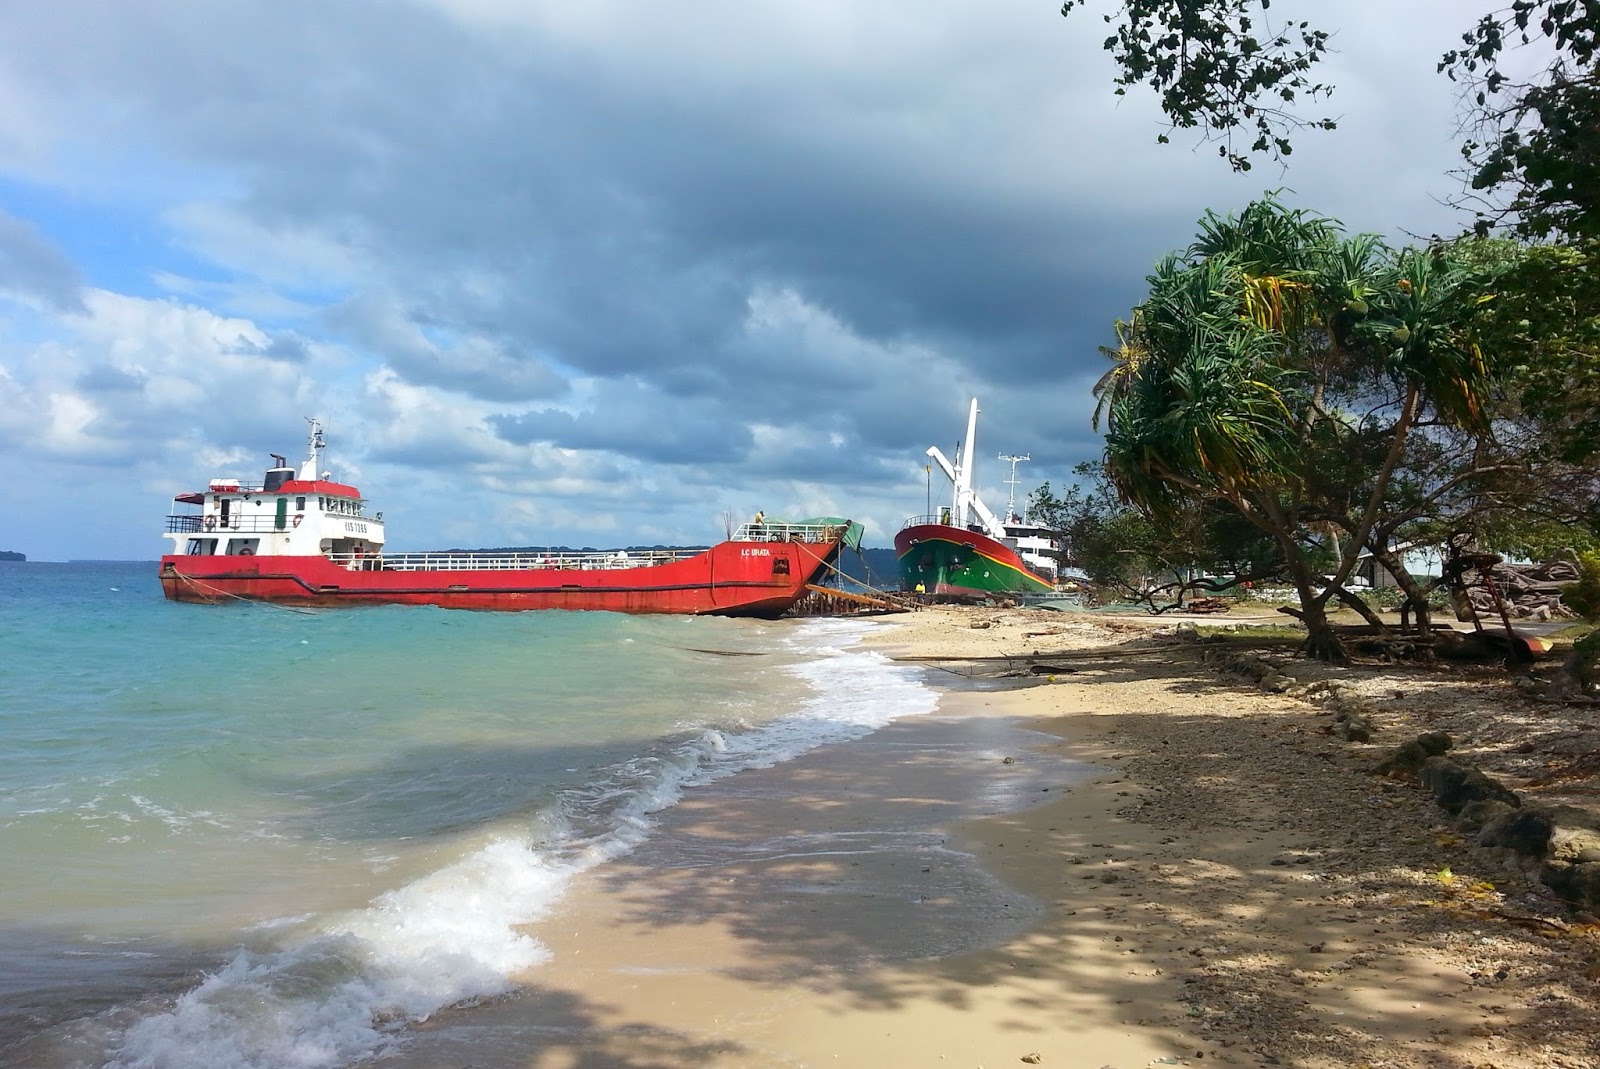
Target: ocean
250,836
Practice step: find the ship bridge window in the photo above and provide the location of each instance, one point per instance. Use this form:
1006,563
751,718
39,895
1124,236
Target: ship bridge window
299,504
243,547
202,547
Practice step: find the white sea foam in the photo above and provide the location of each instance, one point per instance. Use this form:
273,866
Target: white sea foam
346,988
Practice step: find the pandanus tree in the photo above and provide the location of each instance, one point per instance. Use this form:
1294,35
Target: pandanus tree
1292,372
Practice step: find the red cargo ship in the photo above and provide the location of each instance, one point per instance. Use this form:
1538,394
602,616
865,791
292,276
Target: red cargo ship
302,539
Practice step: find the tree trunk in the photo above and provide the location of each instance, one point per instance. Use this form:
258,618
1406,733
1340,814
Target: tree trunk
1322,641
1362,609
1416,594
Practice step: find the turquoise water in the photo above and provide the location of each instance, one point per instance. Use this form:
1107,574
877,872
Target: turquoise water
247,836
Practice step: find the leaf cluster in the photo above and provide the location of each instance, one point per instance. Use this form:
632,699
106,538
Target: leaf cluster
1276,357
1544,325
1220,66
1531,152
1536,140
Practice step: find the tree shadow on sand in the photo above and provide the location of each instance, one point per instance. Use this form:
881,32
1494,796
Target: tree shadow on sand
1251,895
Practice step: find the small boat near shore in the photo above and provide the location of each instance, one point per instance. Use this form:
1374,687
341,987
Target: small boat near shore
964,551
300,538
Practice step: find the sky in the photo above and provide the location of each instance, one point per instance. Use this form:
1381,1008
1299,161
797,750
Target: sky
607,273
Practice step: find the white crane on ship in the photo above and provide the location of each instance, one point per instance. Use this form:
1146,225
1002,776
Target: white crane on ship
966,502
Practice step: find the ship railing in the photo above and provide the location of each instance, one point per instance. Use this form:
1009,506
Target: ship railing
943,516
787,532
249,524
611,560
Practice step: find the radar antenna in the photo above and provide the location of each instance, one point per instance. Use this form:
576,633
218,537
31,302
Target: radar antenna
1011,500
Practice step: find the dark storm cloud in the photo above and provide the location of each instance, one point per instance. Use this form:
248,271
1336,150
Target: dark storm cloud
436,353
722,245
626,225
636,422
33,267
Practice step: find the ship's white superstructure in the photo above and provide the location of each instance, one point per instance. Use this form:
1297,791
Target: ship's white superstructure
1034,544
290,513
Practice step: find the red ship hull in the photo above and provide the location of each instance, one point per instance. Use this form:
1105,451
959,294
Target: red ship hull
729,579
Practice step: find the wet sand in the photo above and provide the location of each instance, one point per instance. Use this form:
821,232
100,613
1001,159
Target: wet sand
990,886
858,906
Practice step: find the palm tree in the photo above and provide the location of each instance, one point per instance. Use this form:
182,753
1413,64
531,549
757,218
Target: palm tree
1234,372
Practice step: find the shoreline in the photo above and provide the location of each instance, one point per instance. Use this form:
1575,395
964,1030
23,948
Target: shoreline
1227,885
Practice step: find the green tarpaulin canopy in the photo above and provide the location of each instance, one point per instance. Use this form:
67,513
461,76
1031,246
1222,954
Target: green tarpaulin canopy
852,533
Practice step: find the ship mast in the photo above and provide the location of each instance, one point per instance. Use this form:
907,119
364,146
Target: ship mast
1011,499
314,449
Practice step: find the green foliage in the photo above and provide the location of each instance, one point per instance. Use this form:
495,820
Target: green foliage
1528,537
1120,548
1583,597
1220,66
1245,340
1391,598
1544,325
1537,138
1329,390
1584,664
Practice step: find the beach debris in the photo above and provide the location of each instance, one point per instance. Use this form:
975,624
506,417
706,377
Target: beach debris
1565,840
1008,760
1524,591
1454,785
1351,727
1050,669
1489,646
1408,758
1033,1059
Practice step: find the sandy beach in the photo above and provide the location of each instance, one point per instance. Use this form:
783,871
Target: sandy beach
1128,862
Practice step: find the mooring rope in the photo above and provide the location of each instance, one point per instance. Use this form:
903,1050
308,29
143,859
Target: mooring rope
889,596
198,585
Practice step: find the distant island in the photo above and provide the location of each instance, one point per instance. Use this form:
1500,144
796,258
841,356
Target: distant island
6,554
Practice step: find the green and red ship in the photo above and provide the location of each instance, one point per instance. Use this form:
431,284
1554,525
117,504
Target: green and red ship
965,552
